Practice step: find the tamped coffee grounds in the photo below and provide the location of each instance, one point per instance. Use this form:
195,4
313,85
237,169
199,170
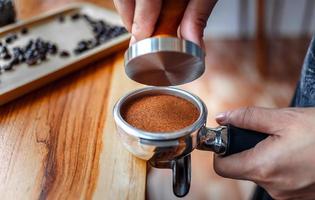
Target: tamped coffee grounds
160,113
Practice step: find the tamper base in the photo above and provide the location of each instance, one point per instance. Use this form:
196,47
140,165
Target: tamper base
164,61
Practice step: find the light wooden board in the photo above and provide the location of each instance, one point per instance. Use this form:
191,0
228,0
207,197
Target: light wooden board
65,35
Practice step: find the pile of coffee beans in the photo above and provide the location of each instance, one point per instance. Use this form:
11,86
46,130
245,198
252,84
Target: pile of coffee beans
34,52
102,32
38,50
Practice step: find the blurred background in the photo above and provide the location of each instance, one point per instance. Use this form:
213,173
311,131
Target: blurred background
255,50
281,18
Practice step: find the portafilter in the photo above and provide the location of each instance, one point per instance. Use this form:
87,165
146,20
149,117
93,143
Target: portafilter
172,149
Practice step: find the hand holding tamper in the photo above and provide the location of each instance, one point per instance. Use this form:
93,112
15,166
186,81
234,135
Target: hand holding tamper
164,59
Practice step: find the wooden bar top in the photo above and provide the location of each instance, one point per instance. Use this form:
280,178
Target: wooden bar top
59,142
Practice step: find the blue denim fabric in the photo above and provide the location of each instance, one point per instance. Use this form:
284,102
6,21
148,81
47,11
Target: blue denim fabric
304,97
305,91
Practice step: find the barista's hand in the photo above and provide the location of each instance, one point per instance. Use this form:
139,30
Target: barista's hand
140,16
284,163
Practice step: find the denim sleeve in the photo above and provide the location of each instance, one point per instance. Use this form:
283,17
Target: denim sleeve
305,91
304,97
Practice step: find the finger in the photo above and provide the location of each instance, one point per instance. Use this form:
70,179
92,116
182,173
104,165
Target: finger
235,166
265,120
195,20
125,9
251,164
145,18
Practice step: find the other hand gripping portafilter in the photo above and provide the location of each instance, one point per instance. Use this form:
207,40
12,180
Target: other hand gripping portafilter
164,59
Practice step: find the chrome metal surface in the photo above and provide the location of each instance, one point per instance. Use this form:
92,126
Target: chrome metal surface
181,168
164,61
213,139
160,146
160,135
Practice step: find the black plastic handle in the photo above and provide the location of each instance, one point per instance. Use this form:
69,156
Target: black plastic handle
242,139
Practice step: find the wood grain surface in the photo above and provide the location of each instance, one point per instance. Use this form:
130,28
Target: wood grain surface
59,142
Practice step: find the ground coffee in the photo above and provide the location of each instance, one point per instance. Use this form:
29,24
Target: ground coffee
160,113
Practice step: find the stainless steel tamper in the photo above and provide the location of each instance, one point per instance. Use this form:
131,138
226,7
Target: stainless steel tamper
164,59
172,150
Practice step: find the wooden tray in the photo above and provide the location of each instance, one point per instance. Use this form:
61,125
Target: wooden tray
66,35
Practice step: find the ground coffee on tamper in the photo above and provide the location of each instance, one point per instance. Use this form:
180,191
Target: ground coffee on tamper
160,113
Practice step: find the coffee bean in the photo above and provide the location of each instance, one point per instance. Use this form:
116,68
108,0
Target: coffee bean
18,54
43,57
77,51
24,31
31,61
29,45
87,18
75,16
64,54
3,50
7,56
8,67
9,39
15,61
61,18
52,48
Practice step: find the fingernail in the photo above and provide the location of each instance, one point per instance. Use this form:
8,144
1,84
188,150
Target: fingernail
221,117
132,40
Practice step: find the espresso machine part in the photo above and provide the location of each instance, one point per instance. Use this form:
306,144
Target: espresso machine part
164,59
172,149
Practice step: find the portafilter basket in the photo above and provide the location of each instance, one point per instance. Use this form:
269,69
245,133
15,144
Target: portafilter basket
172,149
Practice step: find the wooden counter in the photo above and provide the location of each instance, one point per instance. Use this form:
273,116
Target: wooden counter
59,142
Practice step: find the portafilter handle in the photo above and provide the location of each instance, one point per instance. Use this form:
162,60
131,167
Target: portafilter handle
227,140
223,140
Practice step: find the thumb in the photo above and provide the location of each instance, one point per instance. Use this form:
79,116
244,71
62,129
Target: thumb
265,120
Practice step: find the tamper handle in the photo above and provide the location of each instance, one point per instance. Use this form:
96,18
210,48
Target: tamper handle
171,15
